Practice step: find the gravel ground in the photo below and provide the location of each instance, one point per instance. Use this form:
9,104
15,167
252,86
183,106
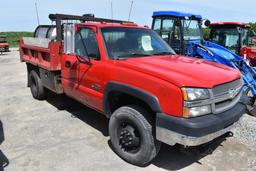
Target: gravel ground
245,131
61,134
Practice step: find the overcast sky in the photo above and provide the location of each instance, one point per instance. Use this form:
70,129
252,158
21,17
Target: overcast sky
20,15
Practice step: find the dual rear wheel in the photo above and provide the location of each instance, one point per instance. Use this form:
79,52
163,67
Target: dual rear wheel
36,86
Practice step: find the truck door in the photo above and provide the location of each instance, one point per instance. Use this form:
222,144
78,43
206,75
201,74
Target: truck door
85,69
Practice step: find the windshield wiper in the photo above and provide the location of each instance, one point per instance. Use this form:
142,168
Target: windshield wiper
164,53
139,54
133,55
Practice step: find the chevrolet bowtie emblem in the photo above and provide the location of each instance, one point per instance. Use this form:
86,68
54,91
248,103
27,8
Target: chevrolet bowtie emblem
233,92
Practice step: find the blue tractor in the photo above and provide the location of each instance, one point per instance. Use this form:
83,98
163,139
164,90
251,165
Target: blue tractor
184,33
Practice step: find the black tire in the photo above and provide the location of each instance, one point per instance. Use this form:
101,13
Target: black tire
36,86
132,119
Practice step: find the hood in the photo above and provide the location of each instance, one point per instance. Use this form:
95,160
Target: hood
182,71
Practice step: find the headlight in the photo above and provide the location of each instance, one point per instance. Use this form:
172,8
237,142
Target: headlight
196,111
193,94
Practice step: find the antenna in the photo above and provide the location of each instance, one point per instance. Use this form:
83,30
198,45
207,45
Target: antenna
130,11
112,15
37,14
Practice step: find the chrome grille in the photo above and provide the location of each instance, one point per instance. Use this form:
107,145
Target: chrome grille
228,95
224,88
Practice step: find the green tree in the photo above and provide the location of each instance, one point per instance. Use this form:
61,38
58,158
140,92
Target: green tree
253,26
206,32
13,37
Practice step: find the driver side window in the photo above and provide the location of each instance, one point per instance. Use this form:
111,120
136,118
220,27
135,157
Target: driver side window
86,43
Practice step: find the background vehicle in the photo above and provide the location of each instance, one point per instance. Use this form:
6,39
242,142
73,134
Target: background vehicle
132,76
183,31
4,46
235,36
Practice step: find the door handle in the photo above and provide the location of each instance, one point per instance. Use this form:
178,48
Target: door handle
67,64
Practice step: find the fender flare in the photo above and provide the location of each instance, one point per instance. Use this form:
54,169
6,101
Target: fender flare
147,97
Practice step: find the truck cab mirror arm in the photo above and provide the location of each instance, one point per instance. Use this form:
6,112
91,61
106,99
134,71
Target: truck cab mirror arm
81,59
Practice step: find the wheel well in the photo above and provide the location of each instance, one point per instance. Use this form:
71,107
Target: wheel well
117,99
31,67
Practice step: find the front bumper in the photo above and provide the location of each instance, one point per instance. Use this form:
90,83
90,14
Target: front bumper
196,131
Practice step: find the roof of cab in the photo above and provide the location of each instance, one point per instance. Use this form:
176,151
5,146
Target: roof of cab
105,24
241,24
176,14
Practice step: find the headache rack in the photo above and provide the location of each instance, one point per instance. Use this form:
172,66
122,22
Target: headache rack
50,41
58,18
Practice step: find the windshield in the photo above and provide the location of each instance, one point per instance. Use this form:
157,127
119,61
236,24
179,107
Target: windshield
133,42
229,38
192,30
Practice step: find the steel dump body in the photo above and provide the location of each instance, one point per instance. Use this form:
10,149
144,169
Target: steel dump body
48,58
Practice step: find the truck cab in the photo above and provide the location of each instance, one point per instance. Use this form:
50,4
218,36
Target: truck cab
235,36
133,77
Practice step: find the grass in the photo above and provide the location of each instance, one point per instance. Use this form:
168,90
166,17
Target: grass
13,37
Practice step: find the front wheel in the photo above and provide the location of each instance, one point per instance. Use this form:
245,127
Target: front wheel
131,135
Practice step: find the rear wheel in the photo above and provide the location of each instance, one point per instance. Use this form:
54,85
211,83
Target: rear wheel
132,135
36,86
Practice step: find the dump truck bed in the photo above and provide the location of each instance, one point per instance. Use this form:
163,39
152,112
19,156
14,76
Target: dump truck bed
41,52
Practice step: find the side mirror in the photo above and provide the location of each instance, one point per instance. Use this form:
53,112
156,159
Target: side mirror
207,23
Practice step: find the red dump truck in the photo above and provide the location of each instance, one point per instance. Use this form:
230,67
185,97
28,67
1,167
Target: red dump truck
129,74
4,45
